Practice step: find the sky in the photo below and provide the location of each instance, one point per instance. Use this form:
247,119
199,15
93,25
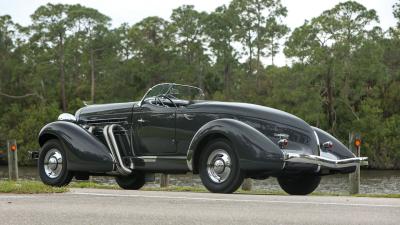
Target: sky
132,11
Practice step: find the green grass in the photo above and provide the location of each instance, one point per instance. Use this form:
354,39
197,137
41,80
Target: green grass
177,189
36,187
89,184
28,187
378,195
200,189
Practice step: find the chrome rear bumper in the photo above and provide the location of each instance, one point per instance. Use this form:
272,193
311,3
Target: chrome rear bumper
325,162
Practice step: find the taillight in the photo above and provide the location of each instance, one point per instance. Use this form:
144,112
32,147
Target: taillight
327,145
283,143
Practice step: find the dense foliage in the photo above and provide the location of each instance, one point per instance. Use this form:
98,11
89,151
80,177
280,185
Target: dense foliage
344,75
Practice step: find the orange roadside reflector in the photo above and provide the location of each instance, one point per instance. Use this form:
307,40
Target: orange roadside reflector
13,148
357,143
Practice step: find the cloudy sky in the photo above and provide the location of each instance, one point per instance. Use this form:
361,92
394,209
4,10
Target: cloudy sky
132,11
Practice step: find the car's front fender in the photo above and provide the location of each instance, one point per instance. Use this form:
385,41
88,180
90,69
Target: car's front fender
84,151
255,151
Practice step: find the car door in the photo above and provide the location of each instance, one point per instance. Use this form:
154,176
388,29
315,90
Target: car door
188,121
154,129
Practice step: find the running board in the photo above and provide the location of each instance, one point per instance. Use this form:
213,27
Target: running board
108,132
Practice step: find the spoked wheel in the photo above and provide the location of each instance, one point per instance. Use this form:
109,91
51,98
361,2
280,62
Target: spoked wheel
52,164
300,184
131,182
219,167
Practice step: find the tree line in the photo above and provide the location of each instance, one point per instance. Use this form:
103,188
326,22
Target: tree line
344,73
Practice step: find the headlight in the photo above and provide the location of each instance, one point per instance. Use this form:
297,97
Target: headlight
67,117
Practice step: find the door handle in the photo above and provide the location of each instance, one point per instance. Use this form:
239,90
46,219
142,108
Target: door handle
188,116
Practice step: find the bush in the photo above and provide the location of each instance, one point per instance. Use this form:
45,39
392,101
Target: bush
24,124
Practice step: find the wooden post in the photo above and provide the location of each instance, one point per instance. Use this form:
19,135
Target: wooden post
12,160
247,184
354,178
164,180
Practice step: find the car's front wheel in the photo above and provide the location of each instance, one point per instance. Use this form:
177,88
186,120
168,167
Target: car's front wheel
219,167
134,181
300,184
52,164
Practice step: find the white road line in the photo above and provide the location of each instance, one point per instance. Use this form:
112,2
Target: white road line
17,196
234,200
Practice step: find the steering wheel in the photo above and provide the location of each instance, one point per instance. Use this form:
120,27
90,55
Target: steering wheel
157,99
166,97
170,96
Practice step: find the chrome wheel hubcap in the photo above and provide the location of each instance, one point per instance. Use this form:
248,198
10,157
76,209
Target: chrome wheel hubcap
219,166
53,163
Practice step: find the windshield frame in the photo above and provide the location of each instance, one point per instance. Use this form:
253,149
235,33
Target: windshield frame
171,85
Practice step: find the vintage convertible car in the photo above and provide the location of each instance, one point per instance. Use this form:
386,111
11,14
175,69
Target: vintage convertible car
173,130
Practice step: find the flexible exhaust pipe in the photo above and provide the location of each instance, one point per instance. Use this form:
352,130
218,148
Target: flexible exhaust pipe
116,150
109,136
105,134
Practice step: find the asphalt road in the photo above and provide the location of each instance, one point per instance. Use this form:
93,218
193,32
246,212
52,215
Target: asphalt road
91,206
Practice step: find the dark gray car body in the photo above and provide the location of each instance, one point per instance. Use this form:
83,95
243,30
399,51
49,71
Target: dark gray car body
170,138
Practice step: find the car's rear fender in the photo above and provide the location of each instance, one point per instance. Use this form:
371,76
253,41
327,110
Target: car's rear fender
338,151
255,151
84,151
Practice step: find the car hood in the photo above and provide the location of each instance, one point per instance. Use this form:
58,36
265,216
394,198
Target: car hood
112,111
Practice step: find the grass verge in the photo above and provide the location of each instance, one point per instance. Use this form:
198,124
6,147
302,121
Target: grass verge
28,187
378,195
35,187
200,189
89,184
264,192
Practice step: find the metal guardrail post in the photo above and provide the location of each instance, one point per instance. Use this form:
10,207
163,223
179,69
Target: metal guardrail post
354,178
12,160
164,180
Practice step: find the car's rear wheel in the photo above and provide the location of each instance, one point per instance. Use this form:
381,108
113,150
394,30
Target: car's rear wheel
219,167
52,164
299,185
131,182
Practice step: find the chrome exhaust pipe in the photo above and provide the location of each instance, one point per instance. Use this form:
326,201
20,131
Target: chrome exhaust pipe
116,150
112,145
105,134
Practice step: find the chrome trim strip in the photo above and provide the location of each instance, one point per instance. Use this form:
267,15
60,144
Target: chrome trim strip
316,136
190,152
318,143
155,158
322,161
161,157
